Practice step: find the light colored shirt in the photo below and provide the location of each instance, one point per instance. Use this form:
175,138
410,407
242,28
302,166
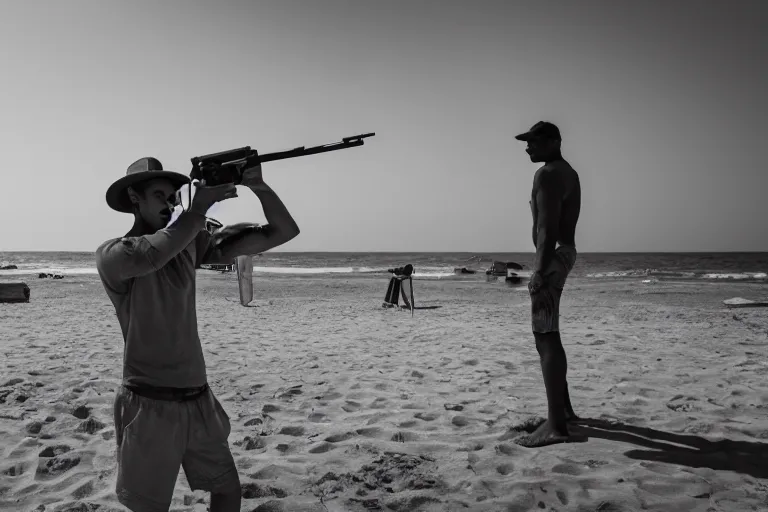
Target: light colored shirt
151,282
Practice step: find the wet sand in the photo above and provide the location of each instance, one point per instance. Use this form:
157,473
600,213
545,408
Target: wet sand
338,404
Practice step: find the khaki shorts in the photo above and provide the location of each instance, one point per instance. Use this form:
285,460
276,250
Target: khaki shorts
545,303
155,438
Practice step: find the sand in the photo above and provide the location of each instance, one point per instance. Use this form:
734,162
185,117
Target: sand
338,404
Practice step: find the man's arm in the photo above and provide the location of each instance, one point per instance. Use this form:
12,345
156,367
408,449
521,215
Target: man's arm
248,239
548,204
535,229
137,256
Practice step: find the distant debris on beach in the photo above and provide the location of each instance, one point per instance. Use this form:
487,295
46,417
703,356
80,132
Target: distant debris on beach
6,266
739,302
498,271
45,275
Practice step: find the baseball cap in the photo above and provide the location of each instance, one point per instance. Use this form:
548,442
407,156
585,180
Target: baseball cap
543,130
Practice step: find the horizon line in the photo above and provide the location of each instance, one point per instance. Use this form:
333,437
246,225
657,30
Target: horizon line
441,252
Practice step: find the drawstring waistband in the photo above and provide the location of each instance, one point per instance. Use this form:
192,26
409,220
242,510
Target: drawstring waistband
167,394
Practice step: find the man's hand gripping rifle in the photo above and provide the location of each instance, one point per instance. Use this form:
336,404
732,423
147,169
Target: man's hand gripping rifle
229,166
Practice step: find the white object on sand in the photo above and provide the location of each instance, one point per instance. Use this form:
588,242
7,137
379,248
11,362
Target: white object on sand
244,265
739,302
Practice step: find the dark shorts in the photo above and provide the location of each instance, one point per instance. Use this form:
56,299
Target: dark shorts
157,437
545,303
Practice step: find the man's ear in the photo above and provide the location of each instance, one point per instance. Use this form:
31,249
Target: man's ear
133,195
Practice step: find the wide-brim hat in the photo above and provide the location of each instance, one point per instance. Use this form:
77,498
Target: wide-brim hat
143,169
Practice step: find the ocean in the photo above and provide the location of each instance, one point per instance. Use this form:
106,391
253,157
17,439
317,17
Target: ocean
441,265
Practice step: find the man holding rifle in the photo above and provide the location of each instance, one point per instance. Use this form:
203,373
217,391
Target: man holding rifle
166,416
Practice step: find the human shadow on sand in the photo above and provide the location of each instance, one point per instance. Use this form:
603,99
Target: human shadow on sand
743,457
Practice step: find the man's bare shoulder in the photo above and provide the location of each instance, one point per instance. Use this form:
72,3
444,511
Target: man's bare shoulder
555,174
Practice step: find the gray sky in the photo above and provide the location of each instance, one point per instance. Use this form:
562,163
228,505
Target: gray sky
662,105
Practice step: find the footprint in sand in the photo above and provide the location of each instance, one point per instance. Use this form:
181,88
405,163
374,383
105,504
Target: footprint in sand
15,470
506,449
286,449
460,421
81,412
252,490
472,447
682,403
57,465
369,431
318,417
379,403
90,426
351,406
54,451
338,438
276,472
505,469
322,448
407,424
292,431
268,408
426,416
567,469
35,427
404,437
251,443
83,491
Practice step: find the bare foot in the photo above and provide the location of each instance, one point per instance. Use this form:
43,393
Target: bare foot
548,434
571,416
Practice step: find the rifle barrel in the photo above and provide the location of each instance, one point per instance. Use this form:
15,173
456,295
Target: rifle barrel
347,142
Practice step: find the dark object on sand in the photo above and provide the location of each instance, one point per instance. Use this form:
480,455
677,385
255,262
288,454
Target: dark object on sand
14,292
500,268
43,275
738,302
8,267
395,288
463,270
405,271
513,278
228,166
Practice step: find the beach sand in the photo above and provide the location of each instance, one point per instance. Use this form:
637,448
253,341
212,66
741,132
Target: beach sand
338,404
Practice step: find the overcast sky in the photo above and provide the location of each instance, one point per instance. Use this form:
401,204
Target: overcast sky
662,106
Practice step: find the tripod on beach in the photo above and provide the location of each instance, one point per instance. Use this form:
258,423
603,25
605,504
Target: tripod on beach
396,289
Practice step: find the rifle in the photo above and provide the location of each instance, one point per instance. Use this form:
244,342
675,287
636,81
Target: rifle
228,166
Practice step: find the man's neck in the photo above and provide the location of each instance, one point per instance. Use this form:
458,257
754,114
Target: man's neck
140,228
554,157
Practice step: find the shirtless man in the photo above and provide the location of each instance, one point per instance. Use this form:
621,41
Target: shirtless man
166,416
555,204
